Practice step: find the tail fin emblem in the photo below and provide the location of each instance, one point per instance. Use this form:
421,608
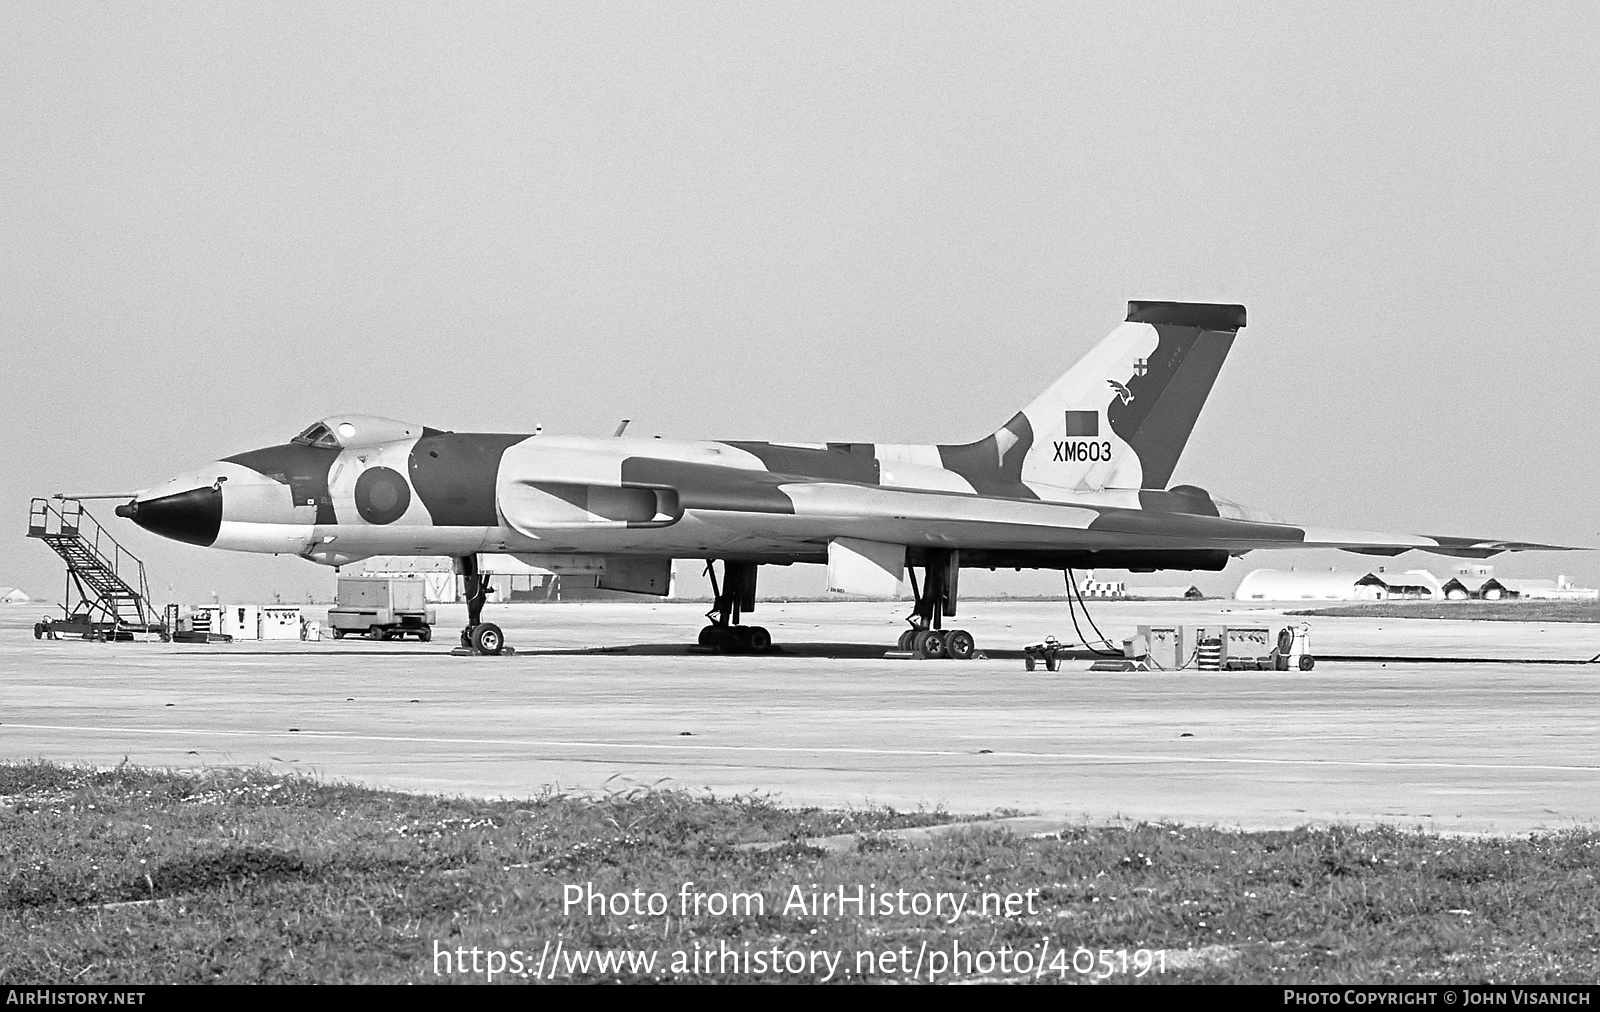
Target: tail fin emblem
1122,391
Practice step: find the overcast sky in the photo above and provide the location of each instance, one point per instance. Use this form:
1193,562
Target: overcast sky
896,222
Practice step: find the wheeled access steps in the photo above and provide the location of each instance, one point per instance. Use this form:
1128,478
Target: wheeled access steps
107,597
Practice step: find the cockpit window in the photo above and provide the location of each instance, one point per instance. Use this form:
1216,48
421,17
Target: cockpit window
317,435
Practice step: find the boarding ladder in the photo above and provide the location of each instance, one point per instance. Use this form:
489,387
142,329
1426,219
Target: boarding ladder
107,594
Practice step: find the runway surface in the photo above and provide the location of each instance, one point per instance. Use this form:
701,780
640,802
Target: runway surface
1484,741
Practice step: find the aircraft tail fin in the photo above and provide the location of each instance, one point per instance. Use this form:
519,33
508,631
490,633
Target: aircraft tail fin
1120,417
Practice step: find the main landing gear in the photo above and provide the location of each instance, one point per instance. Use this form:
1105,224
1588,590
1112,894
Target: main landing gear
935,599
736,594
478,637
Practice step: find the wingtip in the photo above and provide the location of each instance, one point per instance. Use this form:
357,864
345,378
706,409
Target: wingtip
1467,548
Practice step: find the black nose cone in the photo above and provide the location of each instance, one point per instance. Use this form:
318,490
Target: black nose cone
194,517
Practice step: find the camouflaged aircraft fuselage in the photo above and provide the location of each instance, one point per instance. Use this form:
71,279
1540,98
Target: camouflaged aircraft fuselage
1077,479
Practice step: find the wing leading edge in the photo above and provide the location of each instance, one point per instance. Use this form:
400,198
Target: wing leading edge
804,508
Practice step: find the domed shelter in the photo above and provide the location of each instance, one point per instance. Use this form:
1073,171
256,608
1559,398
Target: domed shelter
1306,585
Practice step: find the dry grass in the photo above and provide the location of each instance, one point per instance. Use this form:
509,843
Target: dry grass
1480,611
133,875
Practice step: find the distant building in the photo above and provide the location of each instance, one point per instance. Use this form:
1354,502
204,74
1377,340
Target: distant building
1091,586
1550,590
1306,585
1088,586
1189,593
11,595
1475,582
1337,585
1473,588
1411,585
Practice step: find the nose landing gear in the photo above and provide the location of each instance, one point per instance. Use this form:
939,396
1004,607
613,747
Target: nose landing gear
478,637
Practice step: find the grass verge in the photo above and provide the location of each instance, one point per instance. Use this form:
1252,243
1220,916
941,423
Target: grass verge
1479,611
144,876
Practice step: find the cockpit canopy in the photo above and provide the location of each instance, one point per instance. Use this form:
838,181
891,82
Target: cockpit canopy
346,431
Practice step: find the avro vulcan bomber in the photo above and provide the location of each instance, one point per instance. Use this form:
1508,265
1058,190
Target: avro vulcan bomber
1076,479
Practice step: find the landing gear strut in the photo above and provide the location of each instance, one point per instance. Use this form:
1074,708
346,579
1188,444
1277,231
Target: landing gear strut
479,637
736,594
935,599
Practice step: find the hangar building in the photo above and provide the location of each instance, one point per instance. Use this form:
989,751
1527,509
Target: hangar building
1337,585
1558,589
1471,582
1091,586
1304,585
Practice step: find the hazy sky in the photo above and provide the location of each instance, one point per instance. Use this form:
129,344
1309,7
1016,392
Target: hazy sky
898,222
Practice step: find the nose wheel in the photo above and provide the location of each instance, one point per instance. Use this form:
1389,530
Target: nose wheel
484,638
479,637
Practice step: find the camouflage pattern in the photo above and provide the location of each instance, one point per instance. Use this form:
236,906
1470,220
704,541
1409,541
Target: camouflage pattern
1076,479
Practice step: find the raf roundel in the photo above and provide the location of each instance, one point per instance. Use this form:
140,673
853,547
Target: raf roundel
382,495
